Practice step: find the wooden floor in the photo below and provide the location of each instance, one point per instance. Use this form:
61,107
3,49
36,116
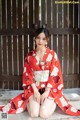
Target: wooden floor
73,95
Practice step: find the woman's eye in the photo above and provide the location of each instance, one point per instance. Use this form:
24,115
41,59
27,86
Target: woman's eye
38,38
44,38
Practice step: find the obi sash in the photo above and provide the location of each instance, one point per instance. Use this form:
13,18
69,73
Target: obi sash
41,76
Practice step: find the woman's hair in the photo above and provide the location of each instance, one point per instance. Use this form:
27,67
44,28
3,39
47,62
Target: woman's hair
44,30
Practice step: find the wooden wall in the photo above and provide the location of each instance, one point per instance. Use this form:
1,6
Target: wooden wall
17,21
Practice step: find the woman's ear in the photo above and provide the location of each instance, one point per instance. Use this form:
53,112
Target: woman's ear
46,44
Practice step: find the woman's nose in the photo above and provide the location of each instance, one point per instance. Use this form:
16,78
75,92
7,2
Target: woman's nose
40,40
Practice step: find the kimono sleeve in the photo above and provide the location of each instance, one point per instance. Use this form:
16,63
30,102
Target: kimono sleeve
55,78
27,73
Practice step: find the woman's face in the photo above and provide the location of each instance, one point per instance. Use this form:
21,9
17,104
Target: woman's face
41,40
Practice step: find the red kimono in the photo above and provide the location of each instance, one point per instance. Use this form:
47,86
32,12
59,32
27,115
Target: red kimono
49,70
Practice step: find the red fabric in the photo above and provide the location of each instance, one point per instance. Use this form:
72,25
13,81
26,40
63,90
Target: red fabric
55,81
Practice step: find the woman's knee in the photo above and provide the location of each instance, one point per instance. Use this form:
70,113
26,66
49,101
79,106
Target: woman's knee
33,108
45,112
34,113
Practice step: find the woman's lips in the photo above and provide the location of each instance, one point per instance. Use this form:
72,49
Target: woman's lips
39,44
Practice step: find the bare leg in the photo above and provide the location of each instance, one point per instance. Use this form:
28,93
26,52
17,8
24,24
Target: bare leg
33,107
47,108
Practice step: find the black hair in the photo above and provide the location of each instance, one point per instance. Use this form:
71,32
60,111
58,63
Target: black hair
44,30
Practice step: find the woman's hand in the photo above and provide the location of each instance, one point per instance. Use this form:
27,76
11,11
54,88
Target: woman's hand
44,96
37,96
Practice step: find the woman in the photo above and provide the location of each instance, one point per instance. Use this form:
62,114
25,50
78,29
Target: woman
42,82
38,66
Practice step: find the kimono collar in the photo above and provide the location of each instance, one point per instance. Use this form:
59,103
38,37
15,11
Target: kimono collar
47,51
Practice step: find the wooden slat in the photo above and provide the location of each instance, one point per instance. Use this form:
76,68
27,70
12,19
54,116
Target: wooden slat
59,16
14,24
73,77
4,55
76,84
65,25
49,43
75,54
25,21
65,42
9,37
30,24
55,43
49,13
8,14
11,85
65,55
71,81
60,51
59,47
76,15
51,36
15,55
17,86
36,4
0,14
79,36
0,57
5,85
31,31
25,45
19,13
79,55
4,37
11,82
19,55
54,13
25,15
49,18
30,13
65,19
70,19
71,54
10,78
10,54
30,42
25,25
1,84
3,15
43,11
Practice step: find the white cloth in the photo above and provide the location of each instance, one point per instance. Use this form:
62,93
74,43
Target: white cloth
41,76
